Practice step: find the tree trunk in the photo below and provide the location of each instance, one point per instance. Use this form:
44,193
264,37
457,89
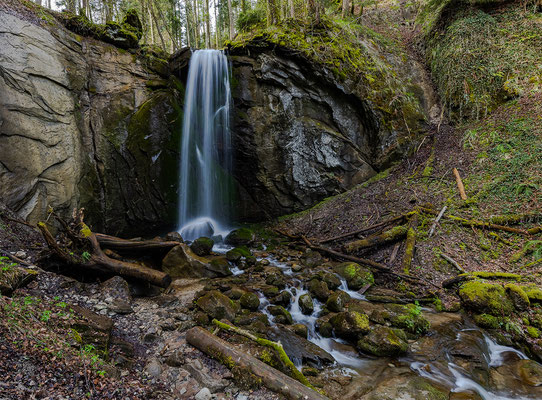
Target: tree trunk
207,25
345,8
241,361
230,18
115,243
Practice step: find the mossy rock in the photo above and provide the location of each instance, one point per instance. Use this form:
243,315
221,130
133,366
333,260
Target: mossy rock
306,304
484,297
240,237
220,266
534,293
409,318
311,259
337,301
218,305
331,280
518,296
533,332
383,341
349,324
530,372
270,291
324,328
251,319
284,299
319,289
276,279
250,301
487,321
282,316
301,330
355,275
202,246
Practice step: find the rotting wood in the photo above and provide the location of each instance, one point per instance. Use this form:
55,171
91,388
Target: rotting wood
453,262
115,243
410,243
389,236
479,224
295,373
363,230
460,186
439,216
101,263
233,358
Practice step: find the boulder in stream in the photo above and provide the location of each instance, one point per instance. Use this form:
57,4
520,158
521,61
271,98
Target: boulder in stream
319,289
349,324
240,237
306,304
182,262
355,275
282,316
337,301
484,297
384,341
202,246
250,301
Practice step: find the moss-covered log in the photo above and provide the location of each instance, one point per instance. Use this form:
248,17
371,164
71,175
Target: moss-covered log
410,243
234,358
115,243
389,236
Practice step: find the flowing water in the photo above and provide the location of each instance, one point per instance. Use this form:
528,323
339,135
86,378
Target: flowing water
204,189
456,355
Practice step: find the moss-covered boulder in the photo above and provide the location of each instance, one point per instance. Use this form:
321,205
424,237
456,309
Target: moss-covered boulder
383,341
300,330
324,327
355,275
270,291
218,305
250,301
518,296
282,316
484,297
534,293
284,299
487,321
319,289
219,266
240,237
311,259
337,301
306,304
331,280
349,324
202,246
276,279
407,317
251,319
235,255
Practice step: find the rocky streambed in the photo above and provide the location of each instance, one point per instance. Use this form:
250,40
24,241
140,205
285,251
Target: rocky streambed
349,335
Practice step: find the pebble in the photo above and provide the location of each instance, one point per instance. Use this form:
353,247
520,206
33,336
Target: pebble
203,394
242,397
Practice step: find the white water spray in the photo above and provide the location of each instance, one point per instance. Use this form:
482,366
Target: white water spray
204,190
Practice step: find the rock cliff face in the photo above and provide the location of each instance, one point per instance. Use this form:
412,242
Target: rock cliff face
83,123
299,135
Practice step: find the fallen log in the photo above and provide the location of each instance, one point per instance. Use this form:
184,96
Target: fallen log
389,236
233,358
97,261
410,243
298,376
359,231
479,224
115,243
453,262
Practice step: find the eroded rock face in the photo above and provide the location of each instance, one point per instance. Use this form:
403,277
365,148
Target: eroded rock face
80,126
297,136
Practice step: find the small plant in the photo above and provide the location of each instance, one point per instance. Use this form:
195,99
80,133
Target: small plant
85,256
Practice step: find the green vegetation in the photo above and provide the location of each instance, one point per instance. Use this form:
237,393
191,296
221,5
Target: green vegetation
481,58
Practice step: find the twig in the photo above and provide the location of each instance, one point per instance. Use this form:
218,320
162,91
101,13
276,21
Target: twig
453,262
439,216
13,258
394,253
460,184
18,221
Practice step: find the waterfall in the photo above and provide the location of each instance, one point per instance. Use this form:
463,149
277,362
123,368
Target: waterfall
204,187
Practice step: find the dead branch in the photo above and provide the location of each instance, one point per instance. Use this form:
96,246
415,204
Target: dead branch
453,262
460,186
439,216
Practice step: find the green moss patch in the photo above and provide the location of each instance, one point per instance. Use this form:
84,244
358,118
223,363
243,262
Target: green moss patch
485,297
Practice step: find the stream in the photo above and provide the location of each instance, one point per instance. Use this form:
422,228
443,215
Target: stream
454,355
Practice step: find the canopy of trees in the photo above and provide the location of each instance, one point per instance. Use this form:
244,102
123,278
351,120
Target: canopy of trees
172,24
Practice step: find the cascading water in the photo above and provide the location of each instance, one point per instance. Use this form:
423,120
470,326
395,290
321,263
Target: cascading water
204,190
